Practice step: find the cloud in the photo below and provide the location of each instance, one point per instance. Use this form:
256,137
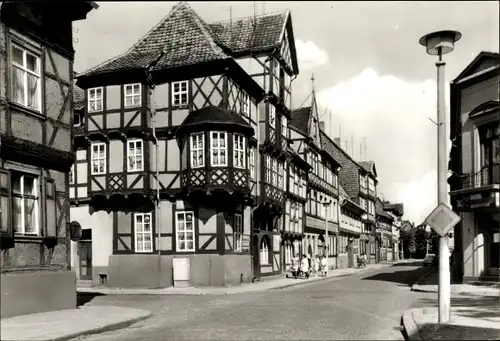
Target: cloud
392,114
310,55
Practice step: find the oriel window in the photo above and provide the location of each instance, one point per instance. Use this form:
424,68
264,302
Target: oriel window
218,146
197,150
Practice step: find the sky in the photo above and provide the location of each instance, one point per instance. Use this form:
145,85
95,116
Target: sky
374,82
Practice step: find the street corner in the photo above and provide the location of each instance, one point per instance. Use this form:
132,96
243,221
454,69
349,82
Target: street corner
71,323
409,325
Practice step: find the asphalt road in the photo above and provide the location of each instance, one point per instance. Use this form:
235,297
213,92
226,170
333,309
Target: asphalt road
358,307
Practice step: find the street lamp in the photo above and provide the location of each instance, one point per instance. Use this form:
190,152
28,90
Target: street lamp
326,203
437,44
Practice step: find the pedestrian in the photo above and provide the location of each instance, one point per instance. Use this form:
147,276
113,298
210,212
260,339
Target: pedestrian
304,266
295,265
323,265
316,265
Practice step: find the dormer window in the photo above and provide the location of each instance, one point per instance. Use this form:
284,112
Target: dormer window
284,126
197,150
132,97
272,116
180,93
238,151
218,143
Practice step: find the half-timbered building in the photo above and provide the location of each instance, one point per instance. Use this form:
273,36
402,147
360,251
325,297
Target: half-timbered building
36,153
322,185
475,166
349,247
396,211
384,223
210,138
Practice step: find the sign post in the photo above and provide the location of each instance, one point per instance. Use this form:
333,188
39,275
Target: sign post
442,219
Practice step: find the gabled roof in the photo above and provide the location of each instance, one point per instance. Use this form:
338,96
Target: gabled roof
181,38
479,63
254,34
352,205
379,210
369,166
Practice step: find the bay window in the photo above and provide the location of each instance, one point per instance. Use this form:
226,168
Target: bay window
274,175
26,78
197,144
268,168
252,164
272,116
280,175
239,151
25,204
184,231
143,232
284,126
218,148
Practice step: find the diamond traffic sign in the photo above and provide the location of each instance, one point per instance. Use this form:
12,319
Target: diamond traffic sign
442,219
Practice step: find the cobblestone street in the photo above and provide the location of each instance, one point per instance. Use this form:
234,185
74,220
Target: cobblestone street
362,306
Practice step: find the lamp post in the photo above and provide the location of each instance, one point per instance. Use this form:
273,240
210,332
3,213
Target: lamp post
437,44
327,250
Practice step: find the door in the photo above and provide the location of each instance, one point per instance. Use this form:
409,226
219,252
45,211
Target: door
85,256
350,255
256,256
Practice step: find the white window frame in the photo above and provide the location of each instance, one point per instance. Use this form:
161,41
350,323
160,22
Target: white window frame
196,150
252,163
272,116
284,125
179,92
96,99
136,166
21,230
264,252
218,148
133,95
238,233
245,103
268,168
274,172
96,158
184,231
238,153
143,233
37,73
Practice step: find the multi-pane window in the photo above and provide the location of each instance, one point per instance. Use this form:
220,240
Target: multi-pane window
132,95
272,116
98,157
95,99
135,156
490,155
197,150
72,174
143,232
25,203
284,126
274,175
252,164
218,156
245,103
280,175
184,226
268,168
238,232
180,93
238,151
26,84
264,251
288,252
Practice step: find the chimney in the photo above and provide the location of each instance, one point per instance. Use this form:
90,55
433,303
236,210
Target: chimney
337,141
322,126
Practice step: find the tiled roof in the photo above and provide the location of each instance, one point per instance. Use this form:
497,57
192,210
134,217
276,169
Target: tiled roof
78,97
251,34
379,210
216,115
183,38
300,119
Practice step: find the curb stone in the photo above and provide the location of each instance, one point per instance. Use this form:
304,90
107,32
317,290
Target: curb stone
409,326
416,286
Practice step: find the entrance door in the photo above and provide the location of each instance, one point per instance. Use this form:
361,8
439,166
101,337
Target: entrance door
256,256
85,253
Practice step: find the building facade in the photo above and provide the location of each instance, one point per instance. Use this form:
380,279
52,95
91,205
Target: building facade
475,166
350,247
211,138
396,211
322,184
384,223
36,153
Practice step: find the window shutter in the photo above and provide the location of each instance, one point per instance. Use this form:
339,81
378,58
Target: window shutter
50,209
5,204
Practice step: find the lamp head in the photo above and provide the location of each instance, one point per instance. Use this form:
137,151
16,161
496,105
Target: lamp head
440,42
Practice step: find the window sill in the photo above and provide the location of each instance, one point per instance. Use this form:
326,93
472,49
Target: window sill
134,107
96,112
27,110
179,107
135,171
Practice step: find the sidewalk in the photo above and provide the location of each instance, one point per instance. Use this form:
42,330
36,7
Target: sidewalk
475,313
264,285
67,324
429,283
